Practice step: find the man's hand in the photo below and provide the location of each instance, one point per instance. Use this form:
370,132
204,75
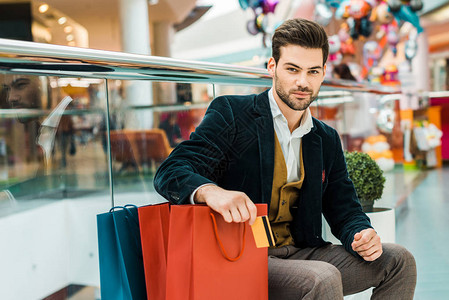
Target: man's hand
367,244
233,206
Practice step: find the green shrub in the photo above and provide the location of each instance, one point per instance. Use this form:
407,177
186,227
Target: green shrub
367,177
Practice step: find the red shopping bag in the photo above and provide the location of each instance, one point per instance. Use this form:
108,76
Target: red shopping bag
154,222
208,258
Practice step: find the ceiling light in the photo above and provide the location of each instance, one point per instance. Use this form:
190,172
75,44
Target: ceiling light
62,20
70,37
68,29
72,43
43,8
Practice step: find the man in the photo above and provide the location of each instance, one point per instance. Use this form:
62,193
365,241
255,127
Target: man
24,93
172,130
267,148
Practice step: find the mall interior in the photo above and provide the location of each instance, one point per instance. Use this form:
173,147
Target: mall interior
94,95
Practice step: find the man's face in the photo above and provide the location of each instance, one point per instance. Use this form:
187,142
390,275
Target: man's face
297,76
24,93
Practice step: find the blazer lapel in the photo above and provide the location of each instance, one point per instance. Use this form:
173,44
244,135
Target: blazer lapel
265,133
313,162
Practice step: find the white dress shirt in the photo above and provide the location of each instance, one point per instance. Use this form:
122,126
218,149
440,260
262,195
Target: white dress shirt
290,142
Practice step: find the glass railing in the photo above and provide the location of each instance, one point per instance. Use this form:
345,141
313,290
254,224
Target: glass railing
84,130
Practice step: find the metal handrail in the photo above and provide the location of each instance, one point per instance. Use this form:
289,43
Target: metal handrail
56,60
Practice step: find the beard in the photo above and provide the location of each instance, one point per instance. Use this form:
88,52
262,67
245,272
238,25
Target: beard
291,100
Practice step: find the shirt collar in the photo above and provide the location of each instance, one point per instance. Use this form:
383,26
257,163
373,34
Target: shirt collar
306,121
275,110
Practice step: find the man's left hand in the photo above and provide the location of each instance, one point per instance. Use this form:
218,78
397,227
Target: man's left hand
367,244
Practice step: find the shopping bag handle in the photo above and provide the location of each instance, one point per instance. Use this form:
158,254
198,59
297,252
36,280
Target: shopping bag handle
122,207
220,244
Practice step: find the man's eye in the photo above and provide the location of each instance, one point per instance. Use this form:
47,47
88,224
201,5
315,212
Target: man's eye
314,72
21,85
291,69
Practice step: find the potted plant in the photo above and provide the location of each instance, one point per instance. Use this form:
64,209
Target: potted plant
367,177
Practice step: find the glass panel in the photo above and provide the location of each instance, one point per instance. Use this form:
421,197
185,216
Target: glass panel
54,179
352,114
51,137
148,119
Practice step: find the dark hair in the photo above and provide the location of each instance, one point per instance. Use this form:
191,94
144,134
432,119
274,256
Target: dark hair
300,32
343,71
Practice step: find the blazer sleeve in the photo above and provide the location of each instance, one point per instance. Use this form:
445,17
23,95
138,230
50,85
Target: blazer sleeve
341,207
198,160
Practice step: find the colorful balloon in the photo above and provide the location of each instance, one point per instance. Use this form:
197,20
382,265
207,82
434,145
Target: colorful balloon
269,6
383,14
396,5
333,3
405,13
359,9
260,8
371,53
411,47
244,4
323,14
356,13
335,56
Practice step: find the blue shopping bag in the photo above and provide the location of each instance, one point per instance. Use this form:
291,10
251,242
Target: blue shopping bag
122,274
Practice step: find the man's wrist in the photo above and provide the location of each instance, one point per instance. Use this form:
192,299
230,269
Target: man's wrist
200,195
195,196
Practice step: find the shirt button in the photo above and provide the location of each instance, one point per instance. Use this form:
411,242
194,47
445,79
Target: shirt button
283,202
279,218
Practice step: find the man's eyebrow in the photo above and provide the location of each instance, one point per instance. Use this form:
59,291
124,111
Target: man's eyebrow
18,80
311,68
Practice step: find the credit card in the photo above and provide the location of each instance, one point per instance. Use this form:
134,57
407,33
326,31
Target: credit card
262,232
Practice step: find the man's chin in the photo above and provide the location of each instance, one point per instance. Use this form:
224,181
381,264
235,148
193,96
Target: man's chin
302,105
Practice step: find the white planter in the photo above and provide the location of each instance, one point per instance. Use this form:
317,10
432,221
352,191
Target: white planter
383,221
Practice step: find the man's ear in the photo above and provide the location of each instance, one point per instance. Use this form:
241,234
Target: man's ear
271,66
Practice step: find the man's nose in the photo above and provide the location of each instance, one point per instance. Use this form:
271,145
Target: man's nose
13,100
302,80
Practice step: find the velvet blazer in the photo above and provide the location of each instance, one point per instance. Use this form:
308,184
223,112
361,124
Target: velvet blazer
233,147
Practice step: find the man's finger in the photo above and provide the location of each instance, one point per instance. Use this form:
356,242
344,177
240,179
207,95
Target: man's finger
373,256
368,251
227,216
363,246
252,211
244,213
364,238
374,241
235,214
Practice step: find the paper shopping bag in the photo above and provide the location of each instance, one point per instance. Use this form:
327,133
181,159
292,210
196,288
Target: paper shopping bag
120,254
208,258
154,222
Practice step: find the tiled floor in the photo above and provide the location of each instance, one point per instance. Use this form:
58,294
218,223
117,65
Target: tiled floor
422,226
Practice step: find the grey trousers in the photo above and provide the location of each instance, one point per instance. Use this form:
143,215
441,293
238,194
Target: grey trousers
330,272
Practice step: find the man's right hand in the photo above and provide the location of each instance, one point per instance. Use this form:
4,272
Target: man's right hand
232,205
